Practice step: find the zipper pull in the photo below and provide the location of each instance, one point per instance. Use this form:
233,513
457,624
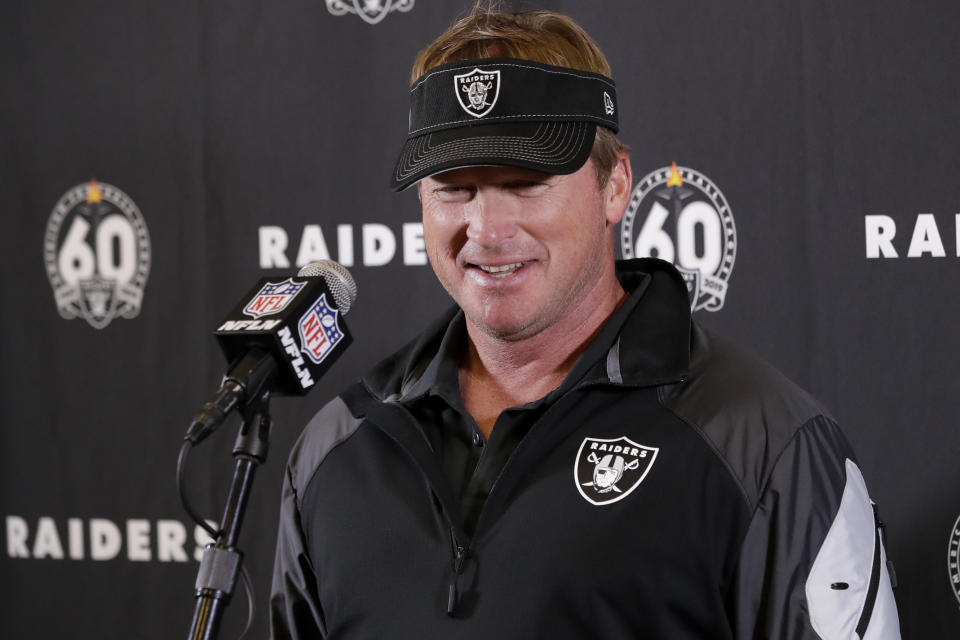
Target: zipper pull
459,554
452,597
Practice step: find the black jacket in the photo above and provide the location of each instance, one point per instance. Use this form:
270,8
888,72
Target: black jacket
674,487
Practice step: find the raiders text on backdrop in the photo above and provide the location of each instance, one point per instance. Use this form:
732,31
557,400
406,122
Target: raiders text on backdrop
378,244
102,539
925,240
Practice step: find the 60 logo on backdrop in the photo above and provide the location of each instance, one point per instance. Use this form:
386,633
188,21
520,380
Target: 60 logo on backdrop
97,254
679,215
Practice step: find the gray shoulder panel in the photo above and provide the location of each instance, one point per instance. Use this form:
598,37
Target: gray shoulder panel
788,527
746,410
331,426
851,546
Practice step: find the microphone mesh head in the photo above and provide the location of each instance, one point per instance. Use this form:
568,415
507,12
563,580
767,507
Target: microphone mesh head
338,280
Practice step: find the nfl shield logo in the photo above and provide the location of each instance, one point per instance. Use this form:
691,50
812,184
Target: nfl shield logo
273,298
608,470
477,91
319,330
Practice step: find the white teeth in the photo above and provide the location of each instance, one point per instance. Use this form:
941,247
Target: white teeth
502,270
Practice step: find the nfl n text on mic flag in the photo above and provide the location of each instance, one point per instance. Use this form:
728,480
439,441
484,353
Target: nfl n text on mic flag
281,337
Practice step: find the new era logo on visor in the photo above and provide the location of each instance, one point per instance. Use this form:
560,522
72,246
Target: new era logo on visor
477,91
608,470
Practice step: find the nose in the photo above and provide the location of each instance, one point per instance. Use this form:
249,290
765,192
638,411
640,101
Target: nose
490,218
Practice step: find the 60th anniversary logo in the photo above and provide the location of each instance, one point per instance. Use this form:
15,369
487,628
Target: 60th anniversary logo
97,254
953,558
679,215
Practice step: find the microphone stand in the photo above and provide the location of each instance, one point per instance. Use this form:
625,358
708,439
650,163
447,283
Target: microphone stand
221,560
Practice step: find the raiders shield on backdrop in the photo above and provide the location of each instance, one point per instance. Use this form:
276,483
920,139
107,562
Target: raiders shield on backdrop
371,11
608,470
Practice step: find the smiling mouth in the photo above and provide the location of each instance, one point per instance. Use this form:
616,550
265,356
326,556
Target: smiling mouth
500,271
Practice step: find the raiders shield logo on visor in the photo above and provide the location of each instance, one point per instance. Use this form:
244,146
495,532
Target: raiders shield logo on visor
477,91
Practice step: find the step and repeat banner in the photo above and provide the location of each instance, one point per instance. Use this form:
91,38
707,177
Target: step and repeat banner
157,159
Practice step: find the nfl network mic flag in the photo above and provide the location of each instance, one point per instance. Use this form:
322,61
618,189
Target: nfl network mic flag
297,317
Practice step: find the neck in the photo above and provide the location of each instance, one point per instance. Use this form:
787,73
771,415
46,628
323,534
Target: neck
499,373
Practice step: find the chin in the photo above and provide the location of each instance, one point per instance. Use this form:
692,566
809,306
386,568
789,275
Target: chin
504,329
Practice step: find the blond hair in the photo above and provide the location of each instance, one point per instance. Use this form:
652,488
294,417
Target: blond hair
540,36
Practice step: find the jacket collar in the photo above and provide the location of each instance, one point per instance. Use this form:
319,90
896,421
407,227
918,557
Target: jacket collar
645,342
653,345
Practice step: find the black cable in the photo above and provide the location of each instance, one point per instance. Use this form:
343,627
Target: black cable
185,448
251,605
182,490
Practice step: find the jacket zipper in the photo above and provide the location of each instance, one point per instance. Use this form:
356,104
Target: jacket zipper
460,551
435,481
874,585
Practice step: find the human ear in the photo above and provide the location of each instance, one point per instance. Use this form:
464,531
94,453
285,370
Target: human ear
617,191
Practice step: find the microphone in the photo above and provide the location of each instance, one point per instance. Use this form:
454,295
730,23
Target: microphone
280,338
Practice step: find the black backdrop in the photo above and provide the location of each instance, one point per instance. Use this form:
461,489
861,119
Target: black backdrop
237,127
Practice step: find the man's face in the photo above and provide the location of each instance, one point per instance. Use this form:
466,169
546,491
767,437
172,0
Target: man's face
520,250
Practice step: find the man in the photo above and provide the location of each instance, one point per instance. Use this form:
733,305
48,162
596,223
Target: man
564,454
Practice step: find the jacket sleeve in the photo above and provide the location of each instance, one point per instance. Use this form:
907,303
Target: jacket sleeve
295,612
812,565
